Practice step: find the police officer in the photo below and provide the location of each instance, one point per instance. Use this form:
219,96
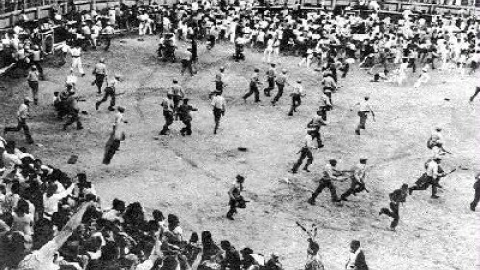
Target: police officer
476,198
270,80
396,197
314,127
431,177
116,136
235,197
168,110
22,115
357,183
186,117
305,152
218,104
281,81
73,111
177,93
254,84
329,173
364,109
109,92
100,72
219,81
296,97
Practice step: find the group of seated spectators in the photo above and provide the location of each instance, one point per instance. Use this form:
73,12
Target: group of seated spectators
49,220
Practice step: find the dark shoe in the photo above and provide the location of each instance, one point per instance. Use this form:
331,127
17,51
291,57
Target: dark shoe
163,132
64,127
290,114
96,106
321,146
472,207
79,128
306,169
434,197
111,109
410,191
292,171
182,132
336,200
30,142
230,217
344,199
380,213
357,131
256,101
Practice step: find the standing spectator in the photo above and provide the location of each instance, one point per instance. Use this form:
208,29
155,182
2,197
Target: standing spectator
76,53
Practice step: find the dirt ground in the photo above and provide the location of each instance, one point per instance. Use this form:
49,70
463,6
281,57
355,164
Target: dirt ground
190,176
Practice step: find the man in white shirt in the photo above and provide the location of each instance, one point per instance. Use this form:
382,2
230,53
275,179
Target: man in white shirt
218,104
330,173
22,115
364,109
296,97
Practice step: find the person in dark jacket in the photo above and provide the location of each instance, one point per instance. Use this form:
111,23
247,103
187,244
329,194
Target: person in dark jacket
232,259
356,260
397,197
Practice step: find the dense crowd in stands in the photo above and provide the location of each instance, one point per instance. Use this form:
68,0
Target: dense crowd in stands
49,220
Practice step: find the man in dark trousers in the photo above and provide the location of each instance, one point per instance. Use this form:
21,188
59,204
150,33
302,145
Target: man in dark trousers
364,109
476,199
330,173
296,95
177,94
218,104
186,117
270,80
305,152
22,114
116,136
431,177
314,127
236,199
186,60
281,81
73,111
219,82
100,72
109,92
396,197
254,84
357,180
356,259
168,109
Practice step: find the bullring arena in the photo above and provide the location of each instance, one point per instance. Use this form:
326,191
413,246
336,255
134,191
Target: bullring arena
190,176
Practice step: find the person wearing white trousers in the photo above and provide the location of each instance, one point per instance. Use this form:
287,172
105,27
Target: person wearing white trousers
76,53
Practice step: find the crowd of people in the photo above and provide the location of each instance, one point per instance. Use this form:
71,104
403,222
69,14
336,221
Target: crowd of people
49,220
